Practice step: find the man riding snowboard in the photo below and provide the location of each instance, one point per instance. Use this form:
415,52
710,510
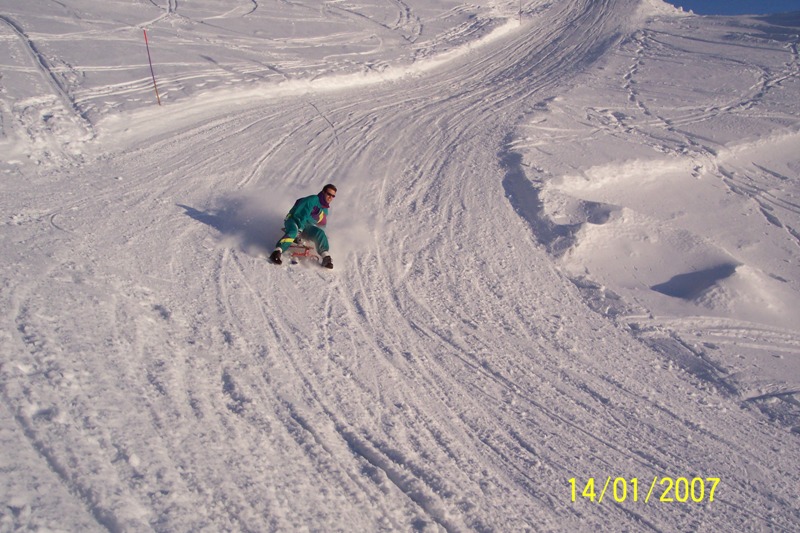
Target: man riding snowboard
307,218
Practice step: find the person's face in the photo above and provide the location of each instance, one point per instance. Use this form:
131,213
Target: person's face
329,194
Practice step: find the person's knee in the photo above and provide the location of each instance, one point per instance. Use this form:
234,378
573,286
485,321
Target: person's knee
290,227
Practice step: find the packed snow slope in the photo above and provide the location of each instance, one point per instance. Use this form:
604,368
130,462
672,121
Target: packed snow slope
566,246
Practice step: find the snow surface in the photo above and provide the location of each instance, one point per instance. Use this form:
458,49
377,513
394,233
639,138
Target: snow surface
567,245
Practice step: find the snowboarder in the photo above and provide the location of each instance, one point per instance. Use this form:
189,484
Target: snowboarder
307,218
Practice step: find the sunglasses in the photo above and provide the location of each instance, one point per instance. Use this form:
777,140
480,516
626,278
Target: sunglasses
330,194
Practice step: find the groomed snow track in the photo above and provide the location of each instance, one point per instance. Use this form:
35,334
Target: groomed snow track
444,376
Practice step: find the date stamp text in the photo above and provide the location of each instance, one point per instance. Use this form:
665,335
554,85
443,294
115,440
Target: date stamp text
661,489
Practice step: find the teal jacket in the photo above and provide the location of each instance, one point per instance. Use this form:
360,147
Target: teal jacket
309,211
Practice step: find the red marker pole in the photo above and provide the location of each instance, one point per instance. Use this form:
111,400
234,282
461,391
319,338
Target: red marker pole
149,60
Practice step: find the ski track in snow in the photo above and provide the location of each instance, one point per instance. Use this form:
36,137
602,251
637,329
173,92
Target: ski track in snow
44,67
446,375
44,115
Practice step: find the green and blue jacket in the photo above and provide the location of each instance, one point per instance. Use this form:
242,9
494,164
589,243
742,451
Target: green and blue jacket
309,211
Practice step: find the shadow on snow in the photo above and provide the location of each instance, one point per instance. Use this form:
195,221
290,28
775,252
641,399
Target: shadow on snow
243,219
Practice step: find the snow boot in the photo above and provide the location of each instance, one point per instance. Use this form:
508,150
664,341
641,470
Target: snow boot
327,262
276,257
